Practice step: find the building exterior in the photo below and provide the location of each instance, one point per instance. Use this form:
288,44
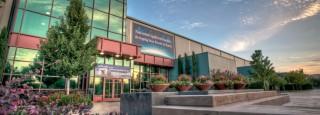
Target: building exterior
132,51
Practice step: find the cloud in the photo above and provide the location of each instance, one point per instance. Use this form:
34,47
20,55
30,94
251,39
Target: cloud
191,25
241,42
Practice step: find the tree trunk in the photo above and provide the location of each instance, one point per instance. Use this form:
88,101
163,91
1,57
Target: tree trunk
67,86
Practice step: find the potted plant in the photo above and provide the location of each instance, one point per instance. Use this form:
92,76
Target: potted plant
239,82
159,83
220,82
203,83
183,83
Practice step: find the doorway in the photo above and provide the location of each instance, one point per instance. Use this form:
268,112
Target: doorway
112,89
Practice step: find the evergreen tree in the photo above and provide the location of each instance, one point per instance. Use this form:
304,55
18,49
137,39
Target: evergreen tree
262,68
195,70
3,49
187,64
180,65
66,52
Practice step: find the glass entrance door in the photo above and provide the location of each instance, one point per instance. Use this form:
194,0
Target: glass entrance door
112,89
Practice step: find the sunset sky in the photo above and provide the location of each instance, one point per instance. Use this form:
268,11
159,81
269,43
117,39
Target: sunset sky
288,31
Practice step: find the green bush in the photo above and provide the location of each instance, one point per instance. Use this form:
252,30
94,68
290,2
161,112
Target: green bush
255,84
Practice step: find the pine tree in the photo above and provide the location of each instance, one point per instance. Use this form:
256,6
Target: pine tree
3,49
187,64
262,68
66,53
180,65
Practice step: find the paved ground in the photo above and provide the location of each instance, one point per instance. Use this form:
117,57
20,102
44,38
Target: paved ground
105,107
305,99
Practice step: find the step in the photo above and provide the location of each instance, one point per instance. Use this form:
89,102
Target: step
264,106
213,100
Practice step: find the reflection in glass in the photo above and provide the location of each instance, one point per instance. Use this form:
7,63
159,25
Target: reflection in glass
11,53
100,20
114,36
59,7
17,23
41,6
116,8
99,60
26,54
115,24
35,24
102,5
98,32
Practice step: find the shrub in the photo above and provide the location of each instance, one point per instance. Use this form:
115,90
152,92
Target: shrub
203,80
182,80
159,79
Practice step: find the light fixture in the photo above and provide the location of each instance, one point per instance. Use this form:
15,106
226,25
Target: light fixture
101,53
130,58
117,55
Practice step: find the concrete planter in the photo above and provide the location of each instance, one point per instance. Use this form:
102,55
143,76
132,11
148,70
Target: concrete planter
158,87
183,87
203,87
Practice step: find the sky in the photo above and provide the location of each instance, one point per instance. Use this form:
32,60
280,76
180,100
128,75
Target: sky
287,31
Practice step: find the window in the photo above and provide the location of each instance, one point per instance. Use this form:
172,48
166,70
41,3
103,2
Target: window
26,54
100,20
126,63
109,60
22,3
59,7
17,24
98,32
116,8
11,53
89,14
114,36
115,24
54,21
35,24
102,5
21,67
118,62
100,60
41,6
88,3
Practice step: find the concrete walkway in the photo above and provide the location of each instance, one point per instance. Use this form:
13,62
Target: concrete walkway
104,108
305,99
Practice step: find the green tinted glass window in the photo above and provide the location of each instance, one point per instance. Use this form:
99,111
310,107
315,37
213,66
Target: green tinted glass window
100,20
114,36
98,32
98,85
41,6
116,8
35,24
21,67
126,63
115,24
102,5
59,7
11,52
54,21
109,60
88,3
100,60
26,54
17,23
118,62
22,3
89,14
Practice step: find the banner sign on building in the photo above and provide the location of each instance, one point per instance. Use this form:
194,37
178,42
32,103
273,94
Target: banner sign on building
112,71
153,42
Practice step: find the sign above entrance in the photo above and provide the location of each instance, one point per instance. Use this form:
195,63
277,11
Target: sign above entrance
153,42
112,71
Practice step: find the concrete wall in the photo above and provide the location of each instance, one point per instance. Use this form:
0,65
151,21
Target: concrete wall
5,13
222,63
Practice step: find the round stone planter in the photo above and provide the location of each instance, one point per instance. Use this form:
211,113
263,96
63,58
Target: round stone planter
183,87
220,86
203,87
239,85
158,87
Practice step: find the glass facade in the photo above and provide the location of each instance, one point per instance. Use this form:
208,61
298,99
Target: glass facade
106,17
